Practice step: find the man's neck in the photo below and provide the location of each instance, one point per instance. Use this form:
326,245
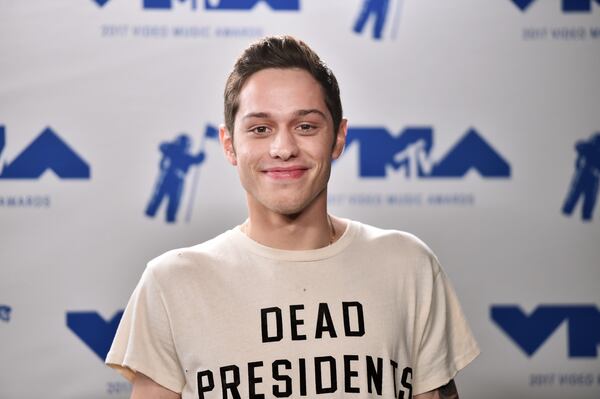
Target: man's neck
310,229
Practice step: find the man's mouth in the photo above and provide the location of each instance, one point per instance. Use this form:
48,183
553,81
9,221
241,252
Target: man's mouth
287,172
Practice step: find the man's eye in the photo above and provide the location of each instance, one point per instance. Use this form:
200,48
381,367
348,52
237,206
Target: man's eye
259,130
306,128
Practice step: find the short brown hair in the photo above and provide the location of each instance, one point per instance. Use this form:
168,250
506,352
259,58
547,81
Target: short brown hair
281,52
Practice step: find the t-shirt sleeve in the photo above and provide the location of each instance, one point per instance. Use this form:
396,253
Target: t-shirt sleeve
144,341
446,343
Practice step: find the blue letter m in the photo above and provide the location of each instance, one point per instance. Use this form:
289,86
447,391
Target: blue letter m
567,5
530,332
164,4
578,5
280,5
378,148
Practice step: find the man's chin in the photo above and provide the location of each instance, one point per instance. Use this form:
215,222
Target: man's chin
290,210
287,204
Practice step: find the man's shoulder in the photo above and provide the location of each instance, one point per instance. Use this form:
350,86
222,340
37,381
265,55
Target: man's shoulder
402,251
395,239
204,253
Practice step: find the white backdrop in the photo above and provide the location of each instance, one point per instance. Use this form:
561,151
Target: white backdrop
113,79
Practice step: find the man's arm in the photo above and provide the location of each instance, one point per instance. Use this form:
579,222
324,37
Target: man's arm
198,158
146,388
447,391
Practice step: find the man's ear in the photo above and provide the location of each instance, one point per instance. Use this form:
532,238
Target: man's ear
340,139
226,139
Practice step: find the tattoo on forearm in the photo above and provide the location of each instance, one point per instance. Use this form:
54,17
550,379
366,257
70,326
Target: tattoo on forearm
448,391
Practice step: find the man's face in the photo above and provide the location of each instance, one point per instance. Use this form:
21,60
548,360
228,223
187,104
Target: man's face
283,141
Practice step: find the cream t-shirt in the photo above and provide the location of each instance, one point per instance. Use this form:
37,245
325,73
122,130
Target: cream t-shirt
372,315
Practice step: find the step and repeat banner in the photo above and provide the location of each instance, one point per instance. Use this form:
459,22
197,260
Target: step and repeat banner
474,126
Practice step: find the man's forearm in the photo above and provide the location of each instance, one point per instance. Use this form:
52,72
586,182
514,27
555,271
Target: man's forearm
146,388
447,391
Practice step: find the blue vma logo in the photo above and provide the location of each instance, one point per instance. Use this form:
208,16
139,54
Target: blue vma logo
47,152
93,330
175,163
410,151
567,5
530,332
5,313
212,5
378,11
584,184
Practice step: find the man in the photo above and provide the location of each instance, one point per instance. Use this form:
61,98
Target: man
294,302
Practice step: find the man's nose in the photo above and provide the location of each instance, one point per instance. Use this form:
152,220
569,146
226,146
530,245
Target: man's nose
284,145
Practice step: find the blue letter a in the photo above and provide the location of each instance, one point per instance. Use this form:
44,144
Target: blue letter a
47,151
472,152
93,330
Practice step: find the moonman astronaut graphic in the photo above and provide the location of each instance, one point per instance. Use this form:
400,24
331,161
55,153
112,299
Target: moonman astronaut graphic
585,180
379,9
174,165
5,313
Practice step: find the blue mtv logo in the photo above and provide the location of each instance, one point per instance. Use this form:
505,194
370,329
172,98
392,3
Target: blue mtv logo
530,332
47,152
410,151
93,330
567,5
209,5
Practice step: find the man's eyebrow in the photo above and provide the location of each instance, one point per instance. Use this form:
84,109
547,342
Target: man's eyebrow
256,115
304,112
300,112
